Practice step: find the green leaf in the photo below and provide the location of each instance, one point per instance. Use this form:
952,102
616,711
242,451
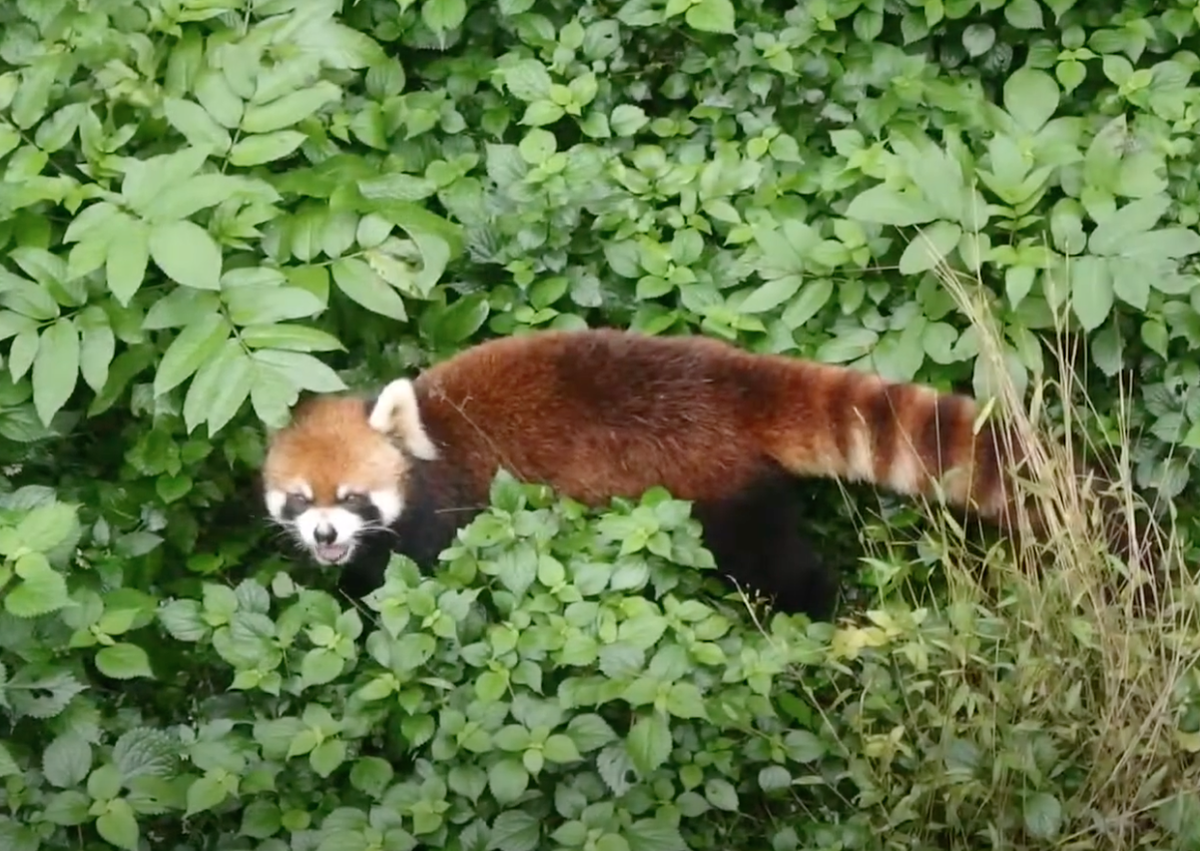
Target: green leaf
721,794
886,206
123,661
289,109
196,345
561,749
263,305
47,526
443,15
770,295
528,80
590,732
326,757
146,752
219,389
1024,14
814,296
515,830
359,282
118,826
929,247
654,835
296,338
67,760
55,368
714,16
1127,224
627,119
184,620
197,126
507,780
978,39
1043,815
187,254
1091,291
265,147
260,819
205,793
1031,96
42,590
98,346
649,742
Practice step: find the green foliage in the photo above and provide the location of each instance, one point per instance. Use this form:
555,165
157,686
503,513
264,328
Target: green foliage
209,208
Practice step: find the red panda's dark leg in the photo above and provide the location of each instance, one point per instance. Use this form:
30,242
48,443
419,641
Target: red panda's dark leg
755,539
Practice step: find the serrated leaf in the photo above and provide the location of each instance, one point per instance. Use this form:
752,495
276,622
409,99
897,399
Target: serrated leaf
443,15
654,835
515,830
359,282
289,109
195,346
123,661
42,589
187,254
265,147
46,526
145,752
55,368
649,742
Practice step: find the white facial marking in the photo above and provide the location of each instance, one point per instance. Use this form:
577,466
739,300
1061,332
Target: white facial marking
396,413
276,500
330,533
389,504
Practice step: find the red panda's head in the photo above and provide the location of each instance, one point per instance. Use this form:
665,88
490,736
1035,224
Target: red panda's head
338,469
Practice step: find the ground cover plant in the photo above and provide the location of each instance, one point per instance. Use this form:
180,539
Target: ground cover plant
208,207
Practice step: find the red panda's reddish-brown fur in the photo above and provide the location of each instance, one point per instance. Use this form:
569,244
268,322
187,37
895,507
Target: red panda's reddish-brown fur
604,413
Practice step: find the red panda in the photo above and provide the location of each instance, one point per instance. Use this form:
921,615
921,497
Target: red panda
603,413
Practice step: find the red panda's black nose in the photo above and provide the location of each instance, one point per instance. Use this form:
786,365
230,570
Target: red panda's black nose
325,534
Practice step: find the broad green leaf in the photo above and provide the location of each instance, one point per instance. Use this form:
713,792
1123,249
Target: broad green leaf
528,80
26,297
219,389
507,780
1031,97
1043,815
714,16
126,259
118,826
42,589
1091,291
886,206
265,147
289,109
180,307
327,757
264,305
145,180
55,368
443,15
1128,224
978,39
67,760
296,338
187,254
654,835
770,295
192,195
195,346
98,346
303,370
627,119
47,526
203,794
808,302
649,742
197,126
358,281
123,661
930,246
146,752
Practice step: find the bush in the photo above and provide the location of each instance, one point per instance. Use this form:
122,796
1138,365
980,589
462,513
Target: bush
209,208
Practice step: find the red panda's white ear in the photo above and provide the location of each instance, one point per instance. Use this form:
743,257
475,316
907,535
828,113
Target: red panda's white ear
397,415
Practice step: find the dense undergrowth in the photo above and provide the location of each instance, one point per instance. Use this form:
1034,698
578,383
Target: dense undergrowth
209,207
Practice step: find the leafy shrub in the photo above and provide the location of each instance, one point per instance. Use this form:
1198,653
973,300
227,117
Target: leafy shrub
208,208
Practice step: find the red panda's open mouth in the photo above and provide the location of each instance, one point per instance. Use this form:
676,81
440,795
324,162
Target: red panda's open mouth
331,553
